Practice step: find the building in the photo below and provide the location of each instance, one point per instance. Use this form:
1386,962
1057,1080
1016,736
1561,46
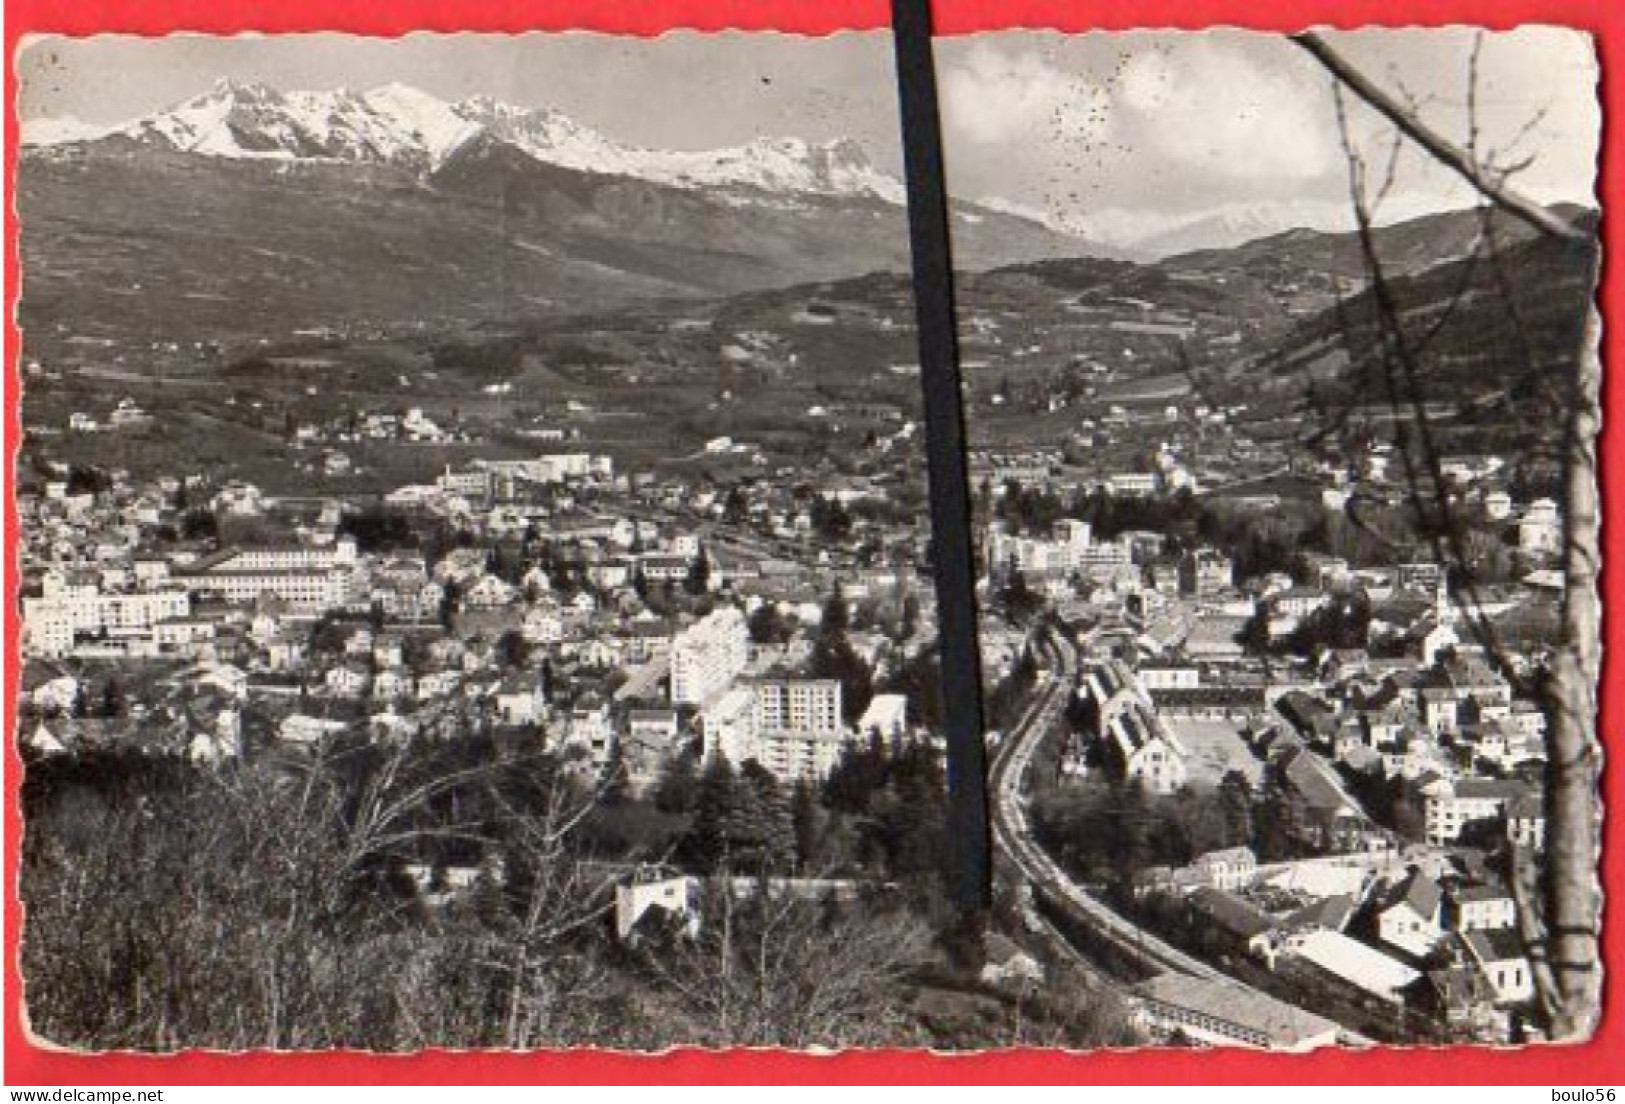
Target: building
887,715
1481,908
809,704
1451,808
1412,917
1205,571
1133,484
1351,963
708,655
308,579
1230,869
1540,530
1526,821
674,898
1136,743
791,727
1500,958
1225,1012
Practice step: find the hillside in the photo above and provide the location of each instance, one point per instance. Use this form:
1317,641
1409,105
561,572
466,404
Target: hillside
126,243
1489,335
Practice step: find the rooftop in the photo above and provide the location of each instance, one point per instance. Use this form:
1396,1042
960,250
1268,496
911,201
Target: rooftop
1285,1026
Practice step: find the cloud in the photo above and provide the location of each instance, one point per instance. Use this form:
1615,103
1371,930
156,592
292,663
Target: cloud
993,97
1199,104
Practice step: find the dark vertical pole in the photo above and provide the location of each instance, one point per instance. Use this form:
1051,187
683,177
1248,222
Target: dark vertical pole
969,874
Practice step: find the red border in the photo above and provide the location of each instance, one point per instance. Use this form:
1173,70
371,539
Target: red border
1601,1061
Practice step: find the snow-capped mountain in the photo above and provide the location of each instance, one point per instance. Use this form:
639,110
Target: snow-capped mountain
399,125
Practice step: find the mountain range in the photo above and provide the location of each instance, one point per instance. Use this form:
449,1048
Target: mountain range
249,211
398,125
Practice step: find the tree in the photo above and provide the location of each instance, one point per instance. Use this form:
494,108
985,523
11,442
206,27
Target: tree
451,603
836,617
807,821
200,525
768,626
113,702
677,789
267,907
716,805
512,650
1236,807
698,580
831,521
1019,601
771,970
833,657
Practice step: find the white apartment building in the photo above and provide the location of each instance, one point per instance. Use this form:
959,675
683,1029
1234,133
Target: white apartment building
1069,548
805,704
792,727
52,622
708,655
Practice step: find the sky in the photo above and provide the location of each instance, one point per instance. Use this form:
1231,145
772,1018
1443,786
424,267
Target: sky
1119,134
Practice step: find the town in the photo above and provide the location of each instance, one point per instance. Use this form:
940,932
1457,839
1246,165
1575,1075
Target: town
479,568
1305,763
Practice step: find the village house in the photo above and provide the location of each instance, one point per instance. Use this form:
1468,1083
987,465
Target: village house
1481,907
1411,917
1499,955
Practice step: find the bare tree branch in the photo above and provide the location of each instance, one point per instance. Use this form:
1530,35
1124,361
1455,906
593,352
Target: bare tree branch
1444,151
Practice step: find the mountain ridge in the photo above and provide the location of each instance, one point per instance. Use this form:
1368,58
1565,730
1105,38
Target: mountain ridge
396,124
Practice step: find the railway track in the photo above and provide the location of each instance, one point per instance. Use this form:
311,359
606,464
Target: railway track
1012,834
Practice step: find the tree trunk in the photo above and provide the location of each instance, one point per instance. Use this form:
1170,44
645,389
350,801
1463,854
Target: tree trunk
1572,838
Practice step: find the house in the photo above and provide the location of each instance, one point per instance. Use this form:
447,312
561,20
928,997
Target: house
1481,908
347,680
437,684
543,625
1230,925
285,654
1471,802
1439,706
58,695
653,727
42,742
1411,917
388,651
1008,965
225,677
887,714
590,729
1137,744
300,729
1526,821
488,592
1326,914
1499,955
670,899
1230,869
1348,962
391,683
1460,996
520,701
